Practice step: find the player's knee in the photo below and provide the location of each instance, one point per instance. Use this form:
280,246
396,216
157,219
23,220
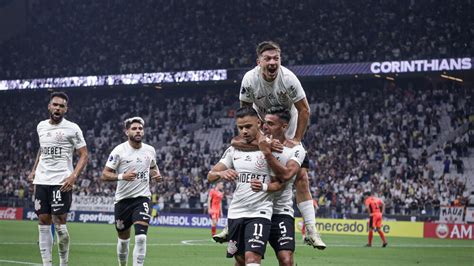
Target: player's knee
140,229
285,258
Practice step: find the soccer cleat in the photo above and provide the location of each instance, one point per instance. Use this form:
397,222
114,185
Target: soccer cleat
221,237
384,244
313,238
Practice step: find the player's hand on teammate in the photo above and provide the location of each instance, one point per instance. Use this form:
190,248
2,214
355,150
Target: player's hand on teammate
276,146
69,183
130,175
265,144
290,143
256,185
229,174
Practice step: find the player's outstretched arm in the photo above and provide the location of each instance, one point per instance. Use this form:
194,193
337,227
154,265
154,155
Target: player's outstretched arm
109,174
220,171
81,164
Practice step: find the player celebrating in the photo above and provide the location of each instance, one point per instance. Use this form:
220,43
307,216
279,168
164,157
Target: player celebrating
285,166
270,84
375,208
54,176
132,164
250,212
214,203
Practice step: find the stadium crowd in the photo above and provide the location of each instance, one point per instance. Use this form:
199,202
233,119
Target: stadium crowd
112,37
361,139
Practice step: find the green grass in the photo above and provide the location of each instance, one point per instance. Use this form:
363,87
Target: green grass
95,244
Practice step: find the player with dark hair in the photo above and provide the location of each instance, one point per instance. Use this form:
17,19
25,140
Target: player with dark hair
54,176
132,164
375,207
270,84
250,211
285,166
214,205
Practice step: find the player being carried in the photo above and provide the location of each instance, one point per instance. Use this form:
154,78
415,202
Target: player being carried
54,176
375,209
214,203
250,211
267,85
132,164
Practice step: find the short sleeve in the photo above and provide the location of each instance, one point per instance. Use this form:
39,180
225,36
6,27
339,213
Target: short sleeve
226,158
246,89
296,91
113,161
297,154
77,138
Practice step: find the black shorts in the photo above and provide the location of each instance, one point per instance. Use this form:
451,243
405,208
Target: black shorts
282,233
305,163
248,234
51,200
129,211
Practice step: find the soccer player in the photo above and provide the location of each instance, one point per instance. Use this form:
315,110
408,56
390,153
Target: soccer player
270,84
132,164
214,203
375,209
250,211
285,166
53,175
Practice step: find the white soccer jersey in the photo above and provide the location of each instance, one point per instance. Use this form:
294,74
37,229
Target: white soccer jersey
245,202
123,158
285,90
283,201
57,145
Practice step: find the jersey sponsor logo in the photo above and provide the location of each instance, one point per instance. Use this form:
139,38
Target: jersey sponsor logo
54,150
246,177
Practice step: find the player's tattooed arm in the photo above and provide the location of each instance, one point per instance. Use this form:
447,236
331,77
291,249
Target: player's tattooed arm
155,173
220,171
81,164
110,174
282,172
31,176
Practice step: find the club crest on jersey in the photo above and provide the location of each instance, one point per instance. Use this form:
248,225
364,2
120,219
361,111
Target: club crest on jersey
260,163
283,97
59,136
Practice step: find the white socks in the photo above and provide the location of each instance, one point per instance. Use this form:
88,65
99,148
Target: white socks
307,211
63,244
122,251
45,244
139,251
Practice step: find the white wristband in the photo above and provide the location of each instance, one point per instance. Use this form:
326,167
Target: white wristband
120,177
264,187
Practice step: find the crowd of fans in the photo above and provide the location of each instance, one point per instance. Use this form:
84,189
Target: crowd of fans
112,37
361,139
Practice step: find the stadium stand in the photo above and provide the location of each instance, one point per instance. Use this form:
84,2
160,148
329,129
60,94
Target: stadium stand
69,40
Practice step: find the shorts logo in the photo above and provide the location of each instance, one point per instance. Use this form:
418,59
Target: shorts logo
255,246
119,224
56,209
37,204
232,247
284,243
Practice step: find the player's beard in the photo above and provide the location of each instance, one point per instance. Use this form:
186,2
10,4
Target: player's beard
56,117
136,139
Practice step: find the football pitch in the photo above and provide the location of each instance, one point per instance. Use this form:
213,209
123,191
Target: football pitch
95,244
